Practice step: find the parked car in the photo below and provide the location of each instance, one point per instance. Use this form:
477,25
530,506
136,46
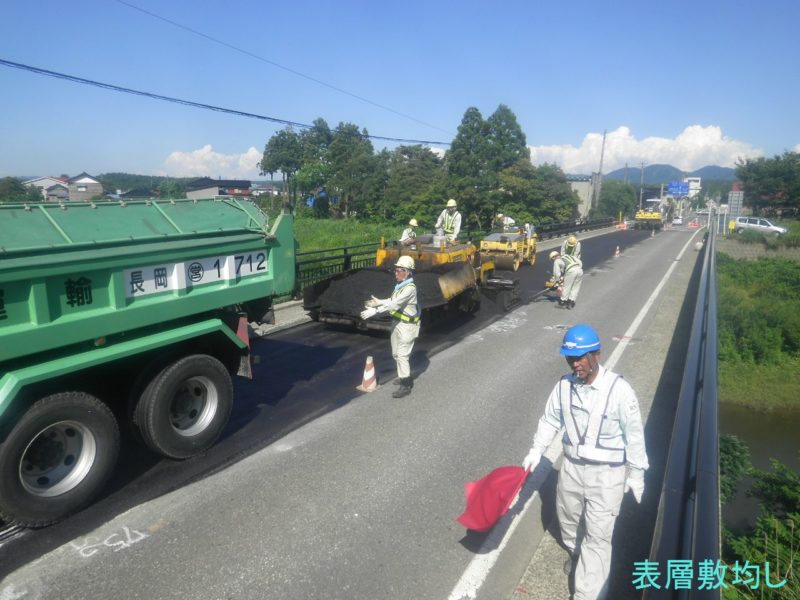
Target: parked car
677,220
758,224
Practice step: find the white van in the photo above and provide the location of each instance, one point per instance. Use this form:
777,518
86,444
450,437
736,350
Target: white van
757,224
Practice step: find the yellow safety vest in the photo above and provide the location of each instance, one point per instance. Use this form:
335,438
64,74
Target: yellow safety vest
401,315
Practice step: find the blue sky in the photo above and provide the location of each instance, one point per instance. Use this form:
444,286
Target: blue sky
678,82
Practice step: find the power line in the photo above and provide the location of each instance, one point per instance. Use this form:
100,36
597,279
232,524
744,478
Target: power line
274,64
239,113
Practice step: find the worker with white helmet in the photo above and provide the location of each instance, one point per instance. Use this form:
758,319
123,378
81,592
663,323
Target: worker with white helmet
570,269
405,311
571,247
604,456
503,222
449,221
409,235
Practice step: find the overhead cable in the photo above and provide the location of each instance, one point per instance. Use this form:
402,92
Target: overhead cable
274,64
230,111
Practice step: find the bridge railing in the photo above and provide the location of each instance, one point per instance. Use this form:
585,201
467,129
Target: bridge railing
688,521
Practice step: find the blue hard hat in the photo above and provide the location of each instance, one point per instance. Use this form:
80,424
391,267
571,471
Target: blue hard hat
579,340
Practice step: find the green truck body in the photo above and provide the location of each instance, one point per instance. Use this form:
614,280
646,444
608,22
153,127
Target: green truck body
115,312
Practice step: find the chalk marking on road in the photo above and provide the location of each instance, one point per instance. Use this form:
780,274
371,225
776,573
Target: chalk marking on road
478,569
90,548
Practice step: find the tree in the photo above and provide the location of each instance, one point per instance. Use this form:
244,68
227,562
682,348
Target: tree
171,189
771,182
616,197
283,153
13,189
351,161
554,200
506,141
411,173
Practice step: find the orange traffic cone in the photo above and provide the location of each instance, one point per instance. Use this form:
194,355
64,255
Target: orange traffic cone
616,252
369,383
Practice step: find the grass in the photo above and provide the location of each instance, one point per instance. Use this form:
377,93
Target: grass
318,234
763,388
791,239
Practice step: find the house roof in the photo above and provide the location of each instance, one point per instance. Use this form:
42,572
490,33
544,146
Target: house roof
82,177
207,182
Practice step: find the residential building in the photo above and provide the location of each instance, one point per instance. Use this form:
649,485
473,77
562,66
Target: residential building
205,187
84,187
47,183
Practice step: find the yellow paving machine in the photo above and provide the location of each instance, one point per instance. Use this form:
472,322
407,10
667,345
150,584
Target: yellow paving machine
449,277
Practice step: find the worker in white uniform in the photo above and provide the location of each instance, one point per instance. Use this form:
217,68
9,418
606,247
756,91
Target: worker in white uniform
404,309
503,222
570,269
409,235
604,456
571,247
449,221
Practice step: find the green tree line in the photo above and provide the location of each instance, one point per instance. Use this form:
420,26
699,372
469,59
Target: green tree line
771,184
487,169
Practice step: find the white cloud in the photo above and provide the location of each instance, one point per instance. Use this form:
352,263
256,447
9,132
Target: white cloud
205,162
796,149
696,146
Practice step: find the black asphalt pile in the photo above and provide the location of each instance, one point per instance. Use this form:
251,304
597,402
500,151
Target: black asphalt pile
347,295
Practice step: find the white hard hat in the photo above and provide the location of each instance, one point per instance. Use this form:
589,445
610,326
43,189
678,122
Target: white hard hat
451,203
499,215
405,262
554,254
413,223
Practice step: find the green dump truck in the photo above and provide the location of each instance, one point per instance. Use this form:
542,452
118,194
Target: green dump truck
123,315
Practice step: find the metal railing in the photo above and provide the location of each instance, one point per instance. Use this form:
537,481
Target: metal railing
316,265
688,521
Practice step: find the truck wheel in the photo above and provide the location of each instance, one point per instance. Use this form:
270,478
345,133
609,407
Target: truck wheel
184,409
56,459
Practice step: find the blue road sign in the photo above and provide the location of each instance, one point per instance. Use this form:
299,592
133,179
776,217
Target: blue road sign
678,188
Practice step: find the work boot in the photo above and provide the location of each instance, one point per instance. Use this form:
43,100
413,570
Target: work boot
562,303
405,388
570,304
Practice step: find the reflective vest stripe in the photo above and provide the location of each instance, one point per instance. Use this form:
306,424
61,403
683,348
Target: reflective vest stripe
587,445
401,315
569,262
449,222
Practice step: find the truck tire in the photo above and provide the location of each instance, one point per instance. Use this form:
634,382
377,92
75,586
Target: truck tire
56,459
185,407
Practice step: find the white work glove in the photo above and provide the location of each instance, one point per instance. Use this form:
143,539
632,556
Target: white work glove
635,483
531,460
373,302
368,313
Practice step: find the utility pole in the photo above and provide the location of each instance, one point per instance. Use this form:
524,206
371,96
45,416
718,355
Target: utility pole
599,186
641,186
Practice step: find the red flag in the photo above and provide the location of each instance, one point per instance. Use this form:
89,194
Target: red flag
489,498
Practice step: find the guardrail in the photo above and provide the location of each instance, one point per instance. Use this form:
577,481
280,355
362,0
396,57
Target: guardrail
688,521
330,261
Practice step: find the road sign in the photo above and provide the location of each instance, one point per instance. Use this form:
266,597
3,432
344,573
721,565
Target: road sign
678,188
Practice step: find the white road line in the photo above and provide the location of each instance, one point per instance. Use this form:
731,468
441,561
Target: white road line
481,564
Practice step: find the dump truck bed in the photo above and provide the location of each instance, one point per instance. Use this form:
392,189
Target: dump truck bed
74,273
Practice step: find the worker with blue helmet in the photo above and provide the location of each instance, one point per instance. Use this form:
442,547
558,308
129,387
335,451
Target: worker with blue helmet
604,456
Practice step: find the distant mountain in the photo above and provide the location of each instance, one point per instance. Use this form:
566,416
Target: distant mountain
658,174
